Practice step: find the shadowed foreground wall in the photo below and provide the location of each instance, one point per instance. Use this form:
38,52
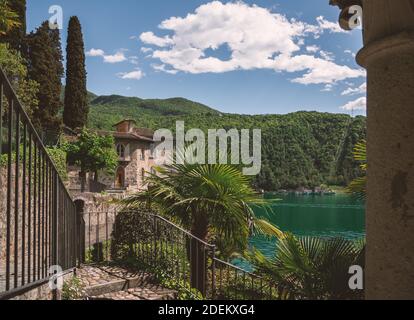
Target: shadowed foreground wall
388,55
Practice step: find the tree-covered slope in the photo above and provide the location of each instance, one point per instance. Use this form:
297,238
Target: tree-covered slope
107,110
299,149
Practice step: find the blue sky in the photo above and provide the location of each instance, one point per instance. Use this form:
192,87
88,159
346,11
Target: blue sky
251,57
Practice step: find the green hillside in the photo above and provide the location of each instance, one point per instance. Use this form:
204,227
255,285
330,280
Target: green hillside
107,110
299,149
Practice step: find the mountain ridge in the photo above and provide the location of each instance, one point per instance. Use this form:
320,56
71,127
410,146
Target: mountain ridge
300,149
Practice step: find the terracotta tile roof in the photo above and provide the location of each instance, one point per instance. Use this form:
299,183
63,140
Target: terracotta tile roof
126,135
125,120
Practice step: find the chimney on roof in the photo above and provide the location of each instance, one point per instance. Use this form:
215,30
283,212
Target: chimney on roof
125,126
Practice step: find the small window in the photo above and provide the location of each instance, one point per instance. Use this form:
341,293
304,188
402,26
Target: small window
120,149
142,154
142,174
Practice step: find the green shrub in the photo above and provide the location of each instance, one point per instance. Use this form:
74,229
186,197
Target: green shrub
59,158
72,289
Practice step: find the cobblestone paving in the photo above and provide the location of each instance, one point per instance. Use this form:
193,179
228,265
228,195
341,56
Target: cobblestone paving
92,276
109,278
153,293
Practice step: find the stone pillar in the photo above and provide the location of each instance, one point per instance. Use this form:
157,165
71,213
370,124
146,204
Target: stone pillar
388,56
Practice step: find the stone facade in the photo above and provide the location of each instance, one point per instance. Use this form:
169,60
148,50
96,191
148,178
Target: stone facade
137,157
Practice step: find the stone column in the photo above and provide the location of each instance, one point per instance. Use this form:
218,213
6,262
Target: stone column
388,56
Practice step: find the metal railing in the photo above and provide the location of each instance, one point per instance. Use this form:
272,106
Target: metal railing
156,243
37,216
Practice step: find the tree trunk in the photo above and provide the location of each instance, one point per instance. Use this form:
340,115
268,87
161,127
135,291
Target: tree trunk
198,255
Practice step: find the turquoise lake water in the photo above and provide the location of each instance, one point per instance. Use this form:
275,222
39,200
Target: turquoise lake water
321,216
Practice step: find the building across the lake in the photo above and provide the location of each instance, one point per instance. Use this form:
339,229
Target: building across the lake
137,157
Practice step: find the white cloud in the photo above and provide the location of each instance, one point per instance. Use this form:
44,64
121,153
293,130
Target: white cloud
116,58
137,74
329,56
133,60
320,71
95,53
163,68
256,38
313,48
146,50
352,91
358,104
151,38
327,88
350,52
332,27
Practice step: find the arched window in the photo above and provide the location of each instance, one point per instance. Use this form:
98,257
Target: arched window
120,149
142,174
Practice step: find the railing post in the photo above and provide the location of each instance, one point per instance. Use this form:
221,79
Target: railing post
155,241
213,272
55,225
80,236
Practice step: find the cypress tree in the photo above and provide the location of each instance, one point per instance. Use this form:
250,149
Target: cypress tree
75,114
16,37
45,67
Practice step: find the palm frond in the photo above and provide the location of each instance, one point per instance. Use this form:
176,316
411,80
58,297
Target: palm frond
358,187
311,268
220,193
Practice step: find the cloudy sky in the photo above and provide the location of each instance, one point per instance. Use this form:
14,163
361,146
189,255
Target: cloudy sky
250,57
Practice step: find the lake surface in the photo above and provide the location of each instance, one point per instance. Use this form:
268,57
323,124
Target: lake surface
321,216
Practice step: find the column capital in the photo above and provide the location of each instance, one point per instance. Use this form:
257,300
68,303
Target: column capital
385,46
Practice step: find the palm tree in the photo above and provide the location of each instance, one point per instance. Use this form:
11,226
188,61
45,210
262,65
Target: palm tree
358,187
8,18
312,268
213,201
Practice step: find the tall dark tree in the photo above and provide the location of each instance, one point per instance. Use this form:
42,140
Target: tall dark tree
75,114
16,36
45,67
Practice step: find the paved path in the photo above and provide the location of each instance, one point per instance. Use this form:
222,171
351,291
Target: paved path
115,283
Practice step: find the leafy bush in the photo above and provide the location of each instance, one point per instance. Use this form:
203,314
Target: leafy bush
59,159
72,289
130,228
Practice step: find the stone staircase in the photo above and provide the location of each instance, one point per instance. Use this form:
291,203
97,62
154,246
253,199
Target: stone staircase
116,283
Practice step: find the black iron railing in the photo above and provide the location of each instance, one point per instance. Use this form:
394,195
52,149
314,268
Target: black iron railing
37,215
165,248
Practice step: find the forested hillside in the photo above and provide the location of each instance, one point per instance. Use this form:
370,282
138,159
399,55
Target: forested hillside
300,149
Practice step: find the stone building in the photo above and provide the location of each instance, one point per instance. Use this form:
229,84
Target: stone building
137,157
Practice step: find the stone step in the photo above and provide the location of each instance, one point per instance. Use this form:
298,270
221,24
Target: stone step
115,283
149,294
